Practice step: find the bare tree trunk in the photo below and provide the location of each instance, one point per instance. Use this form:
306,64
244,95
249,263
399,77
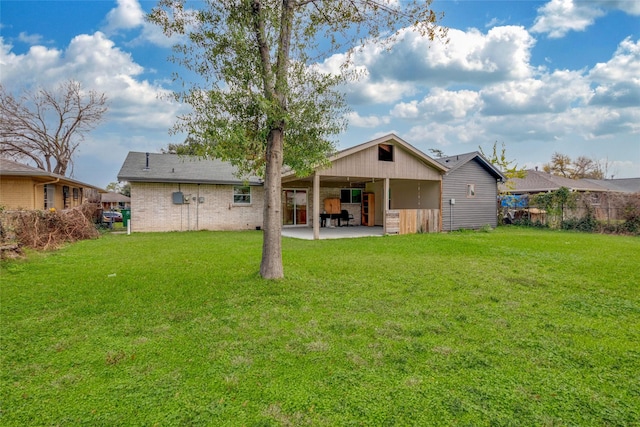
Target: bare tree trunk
271,265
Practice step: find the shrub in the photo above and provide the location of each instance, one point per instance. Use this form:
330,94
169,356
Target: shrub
48,229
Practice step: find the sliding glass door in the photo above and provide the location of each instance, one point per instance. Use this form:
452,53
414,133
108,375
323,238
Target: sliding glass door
294,207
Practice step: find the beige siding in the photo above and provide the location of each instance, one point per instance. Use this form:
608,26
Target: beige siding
24,193
152,208
17,193
365,164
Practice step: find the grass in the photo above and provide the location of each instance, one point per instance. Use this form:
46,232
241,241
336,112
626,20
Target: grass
510,327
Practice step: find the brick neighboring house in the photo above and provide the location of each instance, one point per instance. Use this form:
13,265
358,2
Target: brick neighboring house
27,187
180,193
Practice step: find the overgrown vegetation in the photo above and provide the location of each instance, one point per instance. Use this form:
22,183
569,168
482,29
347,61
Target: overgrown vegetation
44,230
510,327
586,212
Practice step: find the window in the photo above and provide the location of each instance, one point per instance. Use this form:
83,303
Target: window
351,195
241,195
471,190
385,152
76,194
49,196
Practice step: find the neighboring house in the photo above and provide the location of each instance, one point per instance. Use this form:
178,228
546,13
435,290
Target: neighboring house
112,201
469,192
542,182
605,198
620,185
26,187
384,182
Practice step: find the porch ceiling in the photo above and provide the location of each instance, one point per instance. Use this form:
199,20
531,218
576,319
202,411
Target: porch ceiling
328,181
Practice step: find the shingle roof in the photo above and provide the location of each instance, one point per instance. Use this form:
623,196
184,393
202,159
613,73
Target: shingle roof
178,168
454,162
11,168
538,182
621,185
113,197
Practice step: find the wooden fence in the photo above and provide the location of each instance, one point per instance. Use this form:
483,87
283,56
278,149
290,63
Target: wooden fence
411,221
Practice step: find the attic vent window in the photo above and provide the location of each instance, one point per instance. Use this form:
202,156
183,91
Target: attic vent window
385,152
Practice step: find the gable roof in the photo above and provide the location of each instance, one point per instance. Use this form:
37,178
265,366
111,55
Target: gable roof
155,167
539,182
11,168
454,162
395,139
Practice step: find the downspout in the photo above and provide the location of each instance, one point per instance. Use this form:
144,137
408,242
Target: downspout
43,184
440,202
198,209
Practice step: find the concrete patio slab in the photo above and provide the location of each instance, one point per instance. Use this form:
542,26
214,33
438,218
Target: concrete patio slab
306,233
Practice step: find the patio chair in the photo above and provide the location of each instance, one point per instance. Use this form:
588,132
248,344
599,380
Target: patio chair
345,216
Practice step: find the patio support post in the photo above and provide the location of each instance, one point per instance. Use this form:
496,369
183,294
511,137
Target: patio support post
316,206
385,207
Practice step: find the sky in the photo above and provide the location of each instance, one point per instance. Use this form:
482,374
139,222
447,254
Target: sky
539,77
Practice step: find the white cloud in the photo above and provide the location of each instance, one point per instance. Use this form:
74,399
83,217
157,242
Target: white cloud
439,105
127,15
623,66
555,92
98,64
29,38
357,120
632,7
558,17
415,63
618,79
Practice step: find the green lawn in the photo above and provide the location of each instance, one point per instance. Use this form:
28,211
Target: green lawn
509,327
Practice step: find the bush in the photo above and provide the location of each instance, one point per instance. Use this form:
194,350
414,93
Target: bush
48,229
632,215
587,223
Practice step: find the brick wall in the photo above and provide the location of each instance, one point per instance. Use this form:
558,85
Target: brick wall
152,208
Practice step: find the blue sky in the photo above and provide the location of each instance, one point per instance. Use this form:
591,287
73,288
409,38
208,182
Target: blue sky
539,76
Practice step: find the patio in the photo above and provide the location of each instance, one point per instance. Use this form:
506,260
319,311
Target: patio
347,232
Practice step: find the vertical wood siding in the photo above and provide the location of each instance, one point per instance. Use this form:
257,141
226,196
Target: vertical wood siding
412,221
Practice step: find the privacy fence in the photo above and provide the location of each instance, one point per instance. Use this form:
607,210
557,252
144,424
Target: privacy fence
563,208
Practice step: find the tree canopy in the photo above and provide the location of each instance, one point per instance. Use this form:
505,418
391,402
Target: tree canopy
499,159
46,126
263,101
581,167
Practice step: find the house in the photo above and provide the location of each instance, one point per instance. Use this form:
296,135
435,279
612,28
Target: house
542,182
469,192
619,185
606,199
27,187
385,182
112,201
170,192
